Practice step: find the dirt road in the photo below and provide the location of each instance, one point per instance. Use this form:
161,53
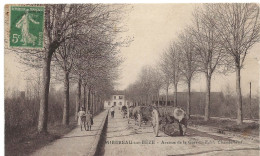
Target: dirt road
130,140
76,142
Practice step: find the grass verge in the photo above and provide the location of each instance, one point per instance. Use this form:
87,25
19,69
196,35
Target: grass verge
27,141
251,129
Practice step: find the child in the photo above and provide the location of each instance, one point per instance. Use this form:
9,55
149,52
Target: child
89,120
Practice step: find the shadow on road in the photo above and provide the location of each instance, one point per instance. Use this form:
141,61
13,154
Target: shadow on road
100,151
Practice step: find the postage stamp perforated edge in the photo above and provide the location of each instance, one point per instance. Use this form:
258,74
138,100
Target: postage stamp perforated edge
8,26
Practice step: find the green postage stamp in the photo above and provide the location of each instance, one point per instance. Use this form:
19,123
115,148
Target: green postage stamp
26,26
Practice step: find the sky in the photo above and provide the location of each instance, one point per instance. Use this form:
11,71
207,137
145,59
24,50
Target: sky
153,27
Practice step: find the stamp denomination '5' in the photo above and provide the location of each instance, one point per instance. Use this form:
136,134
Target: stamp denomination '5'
26,26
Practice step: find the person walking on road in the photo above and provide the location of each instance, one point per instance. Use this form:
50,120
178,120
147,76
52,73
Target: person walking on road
89,120
124,111
112,110
82,118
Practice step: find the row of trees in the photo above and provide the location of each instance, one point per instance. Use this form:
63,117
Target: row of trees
146,88
81,45
218,40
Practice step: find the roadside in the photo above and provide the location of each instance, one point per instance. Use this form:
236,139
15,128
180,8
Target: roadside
245,120
248,131
76,142
130,139
28,141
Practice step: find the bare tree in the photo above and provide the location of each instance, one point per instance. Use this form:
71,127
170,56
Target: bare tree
239,28
166,72
100,46
99,62
188,63
206,43
133,93
64,58
60,19
148,83
157,81
145,79
78,70
174,58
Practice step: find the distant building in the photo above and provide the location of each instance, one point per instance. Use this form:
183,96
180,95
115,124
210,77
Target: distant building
182,98
117,99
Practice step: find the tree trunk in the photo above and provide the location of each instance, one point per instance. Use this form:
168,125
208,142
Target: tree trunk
167,92
43,112
189,99
239,97
92,103
158,98
78,98
89,99
175,94
147,99
102,103
66,108
97,103
207,104
85,96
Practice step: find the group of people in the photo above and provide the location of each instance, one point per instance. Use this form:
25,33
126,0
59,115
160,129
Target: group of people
85,118
123,111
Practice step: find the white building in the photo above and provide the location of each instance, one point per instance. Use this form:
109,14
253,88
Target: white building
117,100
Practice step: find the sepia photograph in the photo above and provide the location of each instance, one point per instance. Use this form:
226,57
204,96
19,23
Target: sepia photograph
131,79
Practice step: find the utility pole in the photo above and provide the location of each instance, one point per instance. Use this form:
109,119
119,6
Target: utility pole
250,102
